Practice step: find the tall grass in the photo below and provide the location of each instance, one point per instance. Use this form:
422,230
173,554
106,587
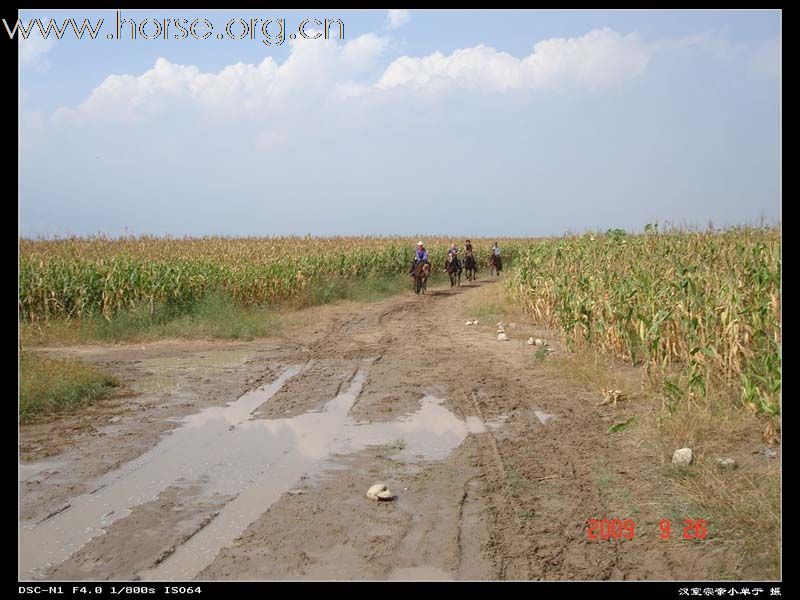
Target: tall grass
48,385
700,310
85,277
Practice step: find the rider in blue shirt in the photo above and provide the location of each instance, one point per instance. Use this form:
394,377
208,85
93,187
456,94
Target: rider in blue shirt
421,255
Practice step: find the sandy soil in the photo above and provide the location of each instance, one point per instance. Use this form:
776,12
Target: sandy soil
510,501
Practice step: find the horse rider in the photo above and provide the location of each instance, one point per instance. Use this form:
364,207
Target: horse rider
454,253
421,255
468,250
498,262
468,255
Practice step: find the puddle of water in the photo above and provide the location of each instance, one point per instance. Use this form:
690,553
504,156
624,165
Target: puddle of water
433,432
30,471
259,460
186,453
543,416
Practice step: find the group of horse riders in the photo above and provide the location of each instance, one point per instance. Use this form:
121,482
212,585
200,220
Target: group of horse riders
421,256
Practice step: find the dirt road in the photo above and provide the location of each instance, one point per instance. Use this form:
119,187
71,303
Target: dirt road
251,460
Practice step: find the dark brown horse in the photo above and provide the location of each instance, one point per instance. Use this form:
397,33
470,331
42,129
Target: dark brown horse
471,265
453,268
422,271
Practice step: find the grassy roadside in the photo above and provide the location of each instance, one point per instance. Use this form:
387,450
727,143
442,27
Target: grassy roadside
741,505
212,317
50,386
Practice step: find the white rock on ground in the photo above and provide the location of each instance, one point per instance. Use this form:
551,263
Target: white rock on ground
768,452
530,341
726,463
502,337
682,457
379,491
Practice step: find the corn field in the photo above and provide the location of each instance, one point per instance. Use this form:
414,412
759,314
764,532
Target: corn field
704,305
82,277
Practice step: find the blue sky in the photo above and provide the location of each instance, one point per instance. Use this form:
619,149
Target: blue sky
426,121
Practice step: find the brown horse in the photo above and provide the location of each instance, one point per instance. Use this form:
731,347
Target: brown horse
453,268
422,271
497,264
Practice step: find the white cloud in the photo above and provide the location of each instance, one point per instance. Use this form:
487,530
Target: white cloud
311,142
362,52
599,58
397,18
327,71
310,72
33,51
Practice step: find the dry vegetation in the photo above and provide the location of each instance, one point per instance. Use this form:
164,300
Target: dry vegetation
688,325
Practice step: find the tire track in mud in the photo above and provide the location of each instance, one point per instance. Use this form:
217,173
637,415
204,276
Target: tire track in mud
524,490
527,562
499,469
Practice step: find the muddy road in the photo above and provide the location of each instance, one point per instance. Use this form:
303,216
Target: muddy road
251,461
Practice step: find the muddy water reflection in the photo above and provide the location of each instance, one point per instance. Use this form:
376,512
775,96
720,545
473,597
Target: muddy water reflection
257,459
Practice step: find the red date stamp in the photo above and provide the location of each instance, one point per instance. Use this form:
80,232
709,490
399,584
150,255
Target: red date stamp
625,529
611,529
